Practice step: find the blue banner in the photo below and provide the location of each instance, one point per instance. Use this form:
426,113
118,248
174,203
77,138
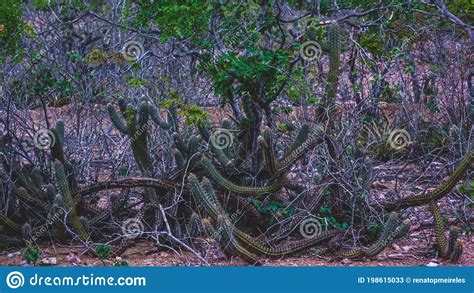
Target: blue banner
237,279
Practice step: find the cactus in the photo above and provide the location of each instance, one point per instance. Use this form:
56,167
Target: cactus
234,188
266,144
441,240
207,135
9,222
452,248
68,200
334,66
135,126
440,192
390,232
213,208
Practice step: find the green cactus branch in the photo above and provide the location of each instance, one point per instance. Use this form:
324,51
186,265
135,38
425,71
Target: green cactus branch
440,192
68,200
234,188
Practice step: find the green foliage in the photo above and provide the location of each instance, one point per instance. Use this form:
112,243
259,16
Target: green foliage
31,254
468,189
241,73
374,229
194,114
272,210
102,251
182,19
12,28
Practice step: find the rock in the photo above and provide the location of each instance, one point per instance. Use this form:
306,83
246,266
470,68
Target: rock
407,248
396,247
72,257
432,264
50,261
395,256
14,254
346,261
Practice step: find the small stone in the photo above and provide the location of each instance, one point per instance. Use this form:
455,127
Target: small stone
407,248
14,254
396,247
346,261
395,256
432,264
51,261
72,257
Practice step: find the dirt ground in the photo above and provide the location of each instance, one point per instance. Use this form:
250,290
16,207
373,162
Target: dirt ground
408,251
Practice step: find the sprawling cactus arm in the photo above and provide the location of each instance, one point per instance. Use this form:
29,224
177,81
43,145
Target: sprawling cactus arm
179,159
287,162
229,244
143,114
385,239
441,240
57,149
457,251
390,232
118,122
453,237
206,132
301,137
403,229
270,160
234,188
286,249
10,223
24,180
22,193
180,144
209,201
206,199
334,66
156,117
194,225
440,192
68,200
